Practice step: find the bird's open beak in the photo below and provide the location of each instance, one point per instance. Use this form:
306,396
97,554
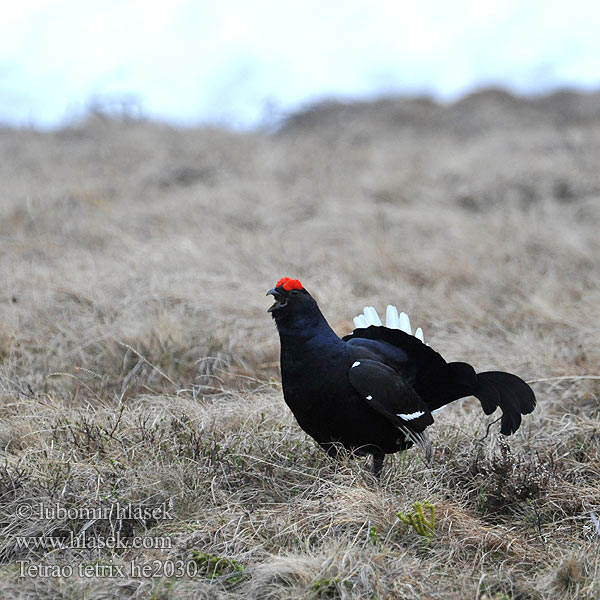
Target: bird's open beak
280,301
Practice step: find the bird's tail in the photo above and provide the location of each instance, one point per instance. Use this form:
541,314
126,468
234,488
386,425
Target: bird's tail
439,383
514,397
447,382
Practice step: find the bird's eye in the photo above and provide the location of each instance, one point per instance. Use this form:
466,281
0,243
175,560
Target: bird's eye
294,293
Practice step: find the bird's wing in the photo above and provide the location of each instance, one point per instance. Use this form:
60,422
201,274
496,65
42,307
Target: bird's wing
382,388
434,380
421,355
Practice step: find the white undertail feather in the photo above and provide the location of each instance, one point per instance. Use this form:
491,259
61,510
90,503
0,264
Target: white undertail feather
391,317
371,316
393,320
405,323
360,322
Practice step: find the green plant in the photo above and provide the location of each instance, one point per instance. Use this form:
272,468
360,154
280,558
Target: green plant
211,566
373,534
328,588
423,527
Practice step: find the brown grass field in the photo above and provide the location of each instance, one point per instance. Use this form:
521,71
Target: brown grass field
138,364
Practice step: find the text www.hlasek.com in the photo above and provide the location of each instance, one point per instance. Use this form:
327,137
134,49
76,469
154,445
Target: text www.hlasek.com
83,540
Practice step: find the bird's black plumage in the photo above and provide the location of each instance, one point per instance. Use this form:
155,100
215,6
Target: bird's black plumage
374,390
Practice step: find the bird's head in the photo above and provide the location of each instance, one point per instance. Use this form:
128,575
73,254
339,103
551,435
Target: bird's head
288,293
296,312
291,300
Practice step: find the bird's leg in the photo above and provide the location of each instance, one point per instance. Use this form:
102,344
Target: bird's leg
377,463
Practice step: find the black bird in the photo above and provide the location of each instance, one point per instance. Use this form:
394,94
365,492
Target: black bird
374,391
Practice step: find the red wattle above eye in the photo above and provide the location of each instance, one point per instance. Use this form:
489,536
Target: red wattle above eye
289,284
292,284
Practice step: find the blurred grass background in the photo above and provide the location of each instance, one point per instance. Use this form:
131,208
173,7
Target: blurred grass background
137,359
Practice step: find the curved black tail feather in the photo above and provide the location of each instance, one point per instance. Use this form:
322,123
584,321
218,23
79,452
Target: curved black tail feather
507,391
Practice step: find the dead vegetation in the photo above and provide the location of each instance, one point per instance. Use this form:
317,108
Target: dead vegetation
138,365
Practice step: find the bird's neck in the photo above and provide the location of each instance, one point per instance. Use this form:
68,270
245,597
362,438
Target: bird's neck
310,329
307,341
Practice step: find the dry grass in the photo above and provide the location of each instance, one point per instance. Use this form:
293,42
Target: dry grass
138,364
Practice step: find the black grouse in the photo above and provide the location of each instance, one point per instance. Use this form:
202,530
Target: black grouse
374,391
